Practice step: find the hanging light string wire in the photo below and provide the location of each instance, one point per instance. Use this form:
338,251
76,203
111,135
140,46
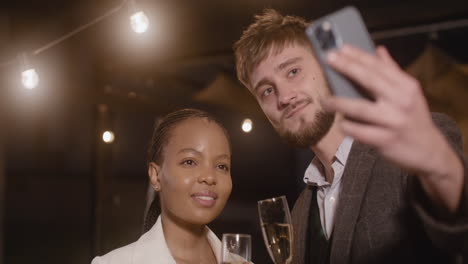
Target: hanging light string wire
378,35
72,33
79,29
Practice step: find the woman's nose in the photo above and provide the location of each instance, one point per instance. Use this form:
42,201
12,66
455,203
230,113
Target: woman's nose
207,177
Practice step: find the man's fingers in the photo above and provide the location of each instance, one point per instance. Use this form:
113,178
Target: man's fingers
380,63
383,53
358,71
378,73
367,134
362,110
404,80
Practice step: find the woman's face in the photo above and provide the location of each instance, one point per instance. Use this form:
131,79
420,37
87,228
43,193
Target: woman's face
194,179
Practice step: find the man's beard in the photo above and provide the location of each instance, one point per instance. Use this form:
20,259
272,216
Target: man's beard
312,133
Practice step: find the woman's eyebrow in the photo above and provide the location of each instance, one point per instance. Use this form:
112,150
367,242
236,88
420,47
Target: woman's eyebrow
192,150
223,156
189,150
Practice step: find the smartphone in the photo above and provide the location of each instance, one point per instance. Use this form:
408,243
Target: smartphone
331,32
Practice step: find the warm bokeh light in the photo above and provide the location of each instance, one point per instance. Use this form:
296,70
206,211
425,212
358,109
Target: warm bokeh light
247,125
108,137
139,22
30,79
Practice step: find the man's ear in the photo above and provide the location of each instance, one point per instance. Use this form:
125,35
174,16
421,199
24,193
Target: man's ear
154,171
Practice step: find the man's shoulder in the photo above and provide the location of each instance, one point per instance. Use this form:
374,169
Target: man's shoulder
442,119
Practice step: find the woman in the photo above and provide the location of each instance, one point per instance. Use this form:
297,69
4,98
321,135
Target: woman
189,168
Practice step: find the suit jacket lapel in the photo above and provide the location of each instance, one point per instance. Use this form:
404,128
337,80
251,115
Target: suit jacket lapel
354,182
300,219
152,247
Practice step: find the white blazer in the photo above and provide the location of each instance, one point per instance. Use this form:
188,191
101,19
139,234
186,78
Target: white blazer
151,248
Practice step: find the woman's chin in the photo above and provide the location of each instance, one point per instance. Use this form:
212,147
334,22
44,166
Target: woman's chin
203,219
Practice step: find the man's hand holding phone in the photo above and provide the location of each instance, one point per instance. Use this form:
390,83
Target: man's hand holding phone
397,122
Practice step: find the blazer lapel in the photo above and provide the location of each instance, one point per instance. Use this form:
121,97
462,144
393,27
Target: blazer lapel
300,217
354,182
215,244
152,248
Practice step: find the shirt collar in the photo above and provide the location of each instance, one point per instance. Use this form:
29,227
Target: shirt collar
314,173
342,153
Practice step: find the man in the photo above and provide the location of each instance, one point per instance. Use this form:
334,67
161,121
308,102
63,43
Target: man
388,180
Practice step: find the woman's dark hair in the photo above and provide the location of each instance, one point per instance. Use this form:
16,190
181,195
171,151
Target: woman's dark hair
161,136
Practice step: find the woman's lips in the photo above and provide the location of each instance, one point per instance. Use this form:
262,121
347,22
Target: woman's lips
205,198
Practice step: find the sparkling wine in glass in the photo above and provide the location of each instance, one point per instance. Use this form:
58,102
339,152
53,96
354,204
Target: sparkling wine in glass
236,249
275,221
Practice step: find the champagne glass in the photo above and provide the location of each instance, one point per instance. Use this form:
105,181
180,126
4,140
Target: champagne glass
275,221
236,249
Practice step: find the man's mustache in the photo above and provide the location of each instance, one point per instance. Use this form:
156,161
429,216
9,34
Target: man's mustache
291,107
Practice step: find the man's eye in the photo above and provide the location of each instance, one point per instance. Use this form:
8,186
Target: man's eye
267,91
293,72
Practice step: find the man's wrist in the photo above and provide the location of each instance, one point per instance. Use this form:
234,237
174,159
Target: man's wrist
443,182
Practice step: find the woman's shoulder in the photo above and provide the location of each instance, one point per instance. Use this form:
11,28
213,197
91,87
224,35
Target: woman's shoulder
150,246
116,256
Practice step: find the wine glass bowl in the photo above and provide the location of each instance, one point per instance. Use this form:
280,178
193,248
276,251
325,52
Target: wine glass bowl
236,248
275,221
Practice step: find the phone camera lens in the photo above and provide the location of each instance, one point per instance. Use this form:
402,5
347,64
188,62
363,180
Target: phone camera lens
325,36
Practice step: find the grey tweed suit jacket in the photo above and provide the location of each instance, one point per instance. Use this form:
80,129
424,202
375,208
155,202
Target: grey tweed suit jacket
383,215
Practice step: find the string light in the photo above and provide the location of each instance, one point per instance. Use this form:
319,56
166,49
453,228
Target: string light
30,79
139,22
108,137
247,125
29,76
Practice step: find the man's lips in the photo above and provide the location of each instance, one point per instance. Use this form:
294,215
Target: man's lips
295,108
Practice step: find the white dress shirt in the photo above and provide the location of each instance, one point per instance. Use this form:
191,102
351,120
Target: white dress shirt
328,194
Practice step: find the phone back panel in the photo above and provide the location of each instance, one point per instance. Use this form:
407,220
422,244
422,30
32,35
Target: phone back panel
346,26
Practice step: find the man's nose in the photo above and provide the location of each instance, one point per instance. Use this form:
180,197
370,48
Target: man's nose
286,96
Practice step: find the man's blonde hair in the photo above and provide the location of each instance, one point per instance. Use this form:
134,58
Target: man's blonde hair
270,33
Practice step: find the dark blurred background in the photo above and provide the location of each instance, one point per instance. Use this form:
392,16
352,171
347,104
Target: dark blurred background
66,196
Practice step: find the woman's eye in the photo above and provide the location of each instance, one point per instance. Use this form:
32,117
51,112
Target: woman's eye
223,167
188,162
267,91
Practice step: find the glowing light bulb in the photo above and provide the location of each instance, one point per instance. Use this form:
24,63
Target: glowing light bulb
108,137
139,22
247,125
29,78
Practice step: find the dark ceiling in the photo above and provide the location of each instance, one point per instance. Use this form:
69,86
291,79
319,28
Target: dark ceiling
188,44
